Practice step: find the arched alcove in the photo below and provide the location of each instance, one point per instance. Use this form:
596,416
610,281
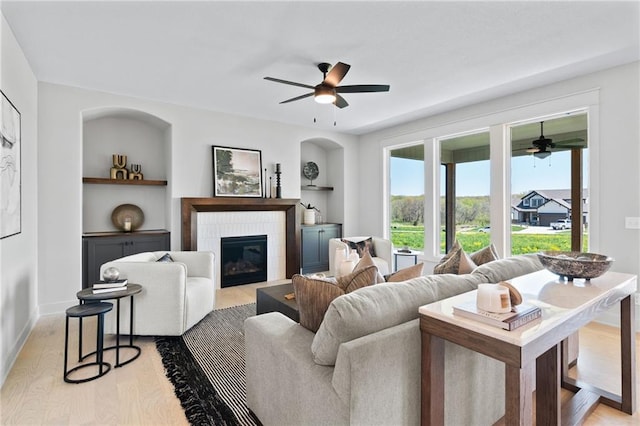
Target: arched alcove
327,194
146,140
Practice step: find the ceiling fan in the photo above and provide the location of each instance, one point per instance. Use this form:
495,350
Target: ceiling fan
328,90
541,147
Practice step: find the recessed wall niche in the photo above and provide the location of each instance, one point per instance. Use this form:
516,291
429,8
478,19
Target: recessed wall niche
145,140
329,156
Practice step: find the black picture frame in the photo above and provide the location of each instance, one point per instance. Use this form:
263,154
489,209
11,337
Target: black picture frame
237,172
10,169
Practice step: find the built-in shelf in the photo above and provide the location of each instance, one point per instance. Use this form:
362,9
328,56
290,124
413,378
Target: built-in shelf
316,188
107,181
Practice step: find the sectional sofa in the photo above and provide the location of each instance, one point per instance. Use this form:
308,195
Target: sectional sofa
362,367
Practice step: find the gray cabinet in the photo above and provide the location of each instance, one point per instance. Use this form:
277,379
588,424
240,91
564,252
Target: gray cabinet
99,248
315,246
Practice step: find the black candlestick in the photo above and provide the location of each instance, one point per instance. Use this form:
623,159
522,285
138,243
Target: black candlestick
278,188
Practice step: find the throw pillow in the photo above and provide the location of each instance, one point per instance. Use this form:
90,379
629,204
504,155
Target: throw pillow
485,255
365,262
406,273
455,262
314,297
165,258
361,246
358,279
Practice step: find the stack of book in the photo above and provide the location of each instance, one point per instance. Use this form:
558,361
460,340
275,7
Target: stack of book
519,315
109,286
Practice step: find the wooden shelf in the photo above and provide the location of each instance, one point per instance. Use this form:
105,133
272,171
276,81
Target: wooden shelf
107,181
316,188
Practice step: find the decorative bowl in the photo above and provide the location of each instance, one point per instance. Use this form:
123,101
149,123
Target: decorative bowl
575,264
127,217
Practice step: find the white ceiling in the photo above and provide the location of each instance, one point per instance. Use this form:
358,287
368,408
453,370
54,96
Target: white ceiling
214,54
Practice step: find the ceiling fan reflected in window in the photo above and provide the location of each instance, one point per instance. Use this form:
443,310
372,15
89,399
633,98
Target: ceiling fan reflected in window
541,147
328,90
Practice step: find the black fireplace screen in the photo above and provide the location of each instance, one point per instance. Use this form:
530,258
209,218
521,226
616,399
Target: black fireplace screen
244,260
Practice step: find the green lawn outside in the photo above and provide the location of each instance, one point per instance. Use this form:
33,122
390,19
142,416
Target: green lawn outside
413,236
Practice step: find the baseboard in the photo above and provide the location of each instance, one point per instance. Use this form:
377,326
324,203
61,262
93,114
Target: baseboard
12,354
58,307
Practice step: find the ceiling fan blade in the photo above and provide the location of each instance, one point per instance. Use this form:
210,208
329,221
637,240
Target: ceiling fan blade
337,73
341,102
363,88
297,98
576,143
292,83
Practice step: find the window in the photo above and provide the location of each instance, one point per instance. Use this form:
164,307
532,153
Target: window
464,193
406,172
548,159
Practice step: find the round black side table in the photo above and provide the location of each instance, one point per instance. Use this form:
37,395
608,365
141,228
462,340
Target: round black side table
83,311
87,296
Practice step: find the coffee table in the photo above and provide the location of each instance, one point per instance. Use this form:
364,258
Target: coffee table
271,299
535,353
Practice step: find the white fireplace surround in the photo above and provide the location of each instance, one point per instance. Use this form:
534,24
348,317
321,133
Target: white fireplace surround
212,226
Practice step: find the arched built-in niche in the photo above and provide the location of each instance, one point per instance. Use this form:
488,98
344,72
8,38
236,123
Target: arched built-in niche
145,140
329,156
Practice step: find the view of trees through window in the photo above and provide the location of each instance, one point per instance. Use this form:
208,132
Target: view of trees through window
541,179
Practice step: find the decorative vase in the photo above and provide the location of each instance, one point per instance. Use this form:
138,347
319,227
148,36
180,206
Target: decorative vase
339,256
309,217
346,267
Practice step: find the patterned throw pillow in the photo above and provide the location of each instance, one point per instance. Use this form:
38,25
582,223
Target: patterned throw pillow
361,246
455,262
405,274
485,255
314,295
165,258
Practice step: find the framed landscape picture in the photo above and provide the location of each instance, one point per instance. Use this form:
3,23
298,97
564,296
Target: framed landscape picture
237,172
10,173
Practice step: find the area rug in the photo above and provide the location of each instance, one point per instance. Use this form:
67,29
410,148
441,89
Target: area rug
206,366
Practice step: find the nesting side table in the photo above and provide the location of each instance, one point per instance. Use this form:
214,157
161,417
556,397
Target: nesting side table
87,296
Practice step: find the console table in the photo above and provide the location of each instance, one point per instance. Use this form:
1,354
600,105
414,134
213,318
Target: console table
537,351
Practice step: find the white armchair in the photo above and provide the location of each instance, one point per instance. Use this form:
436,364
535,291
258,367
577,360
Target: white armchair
383,249
175,295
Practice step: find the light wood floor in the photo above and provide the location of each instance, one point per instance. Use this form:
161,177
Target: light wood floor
140,394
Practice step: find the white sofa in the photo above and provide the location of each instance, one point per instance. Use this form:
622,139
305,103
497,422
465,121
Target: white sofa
362,367
383,249
175,295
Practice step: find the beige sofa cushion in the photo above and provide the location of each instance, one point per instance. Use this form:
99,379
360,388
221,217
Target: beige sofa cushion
507,268
377,307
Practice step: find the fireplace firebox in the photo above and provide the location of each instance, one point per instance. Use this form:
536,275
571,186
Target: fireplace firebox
243,260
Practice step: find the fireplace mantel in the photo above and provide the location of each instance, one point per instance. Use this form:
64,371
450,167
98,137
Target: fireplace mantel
190,208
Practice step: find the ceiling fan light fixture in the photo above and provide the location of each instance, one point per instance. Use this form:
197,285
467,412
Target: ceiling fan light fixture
542,154
324,94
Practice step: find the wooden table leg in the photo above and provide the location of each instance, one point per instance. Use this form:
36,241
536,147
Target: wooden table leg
548,372
628,353
518,395
432,410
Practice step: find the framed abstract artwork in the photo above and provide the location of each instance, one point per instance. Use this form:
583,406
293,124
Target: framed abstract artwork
237,172
10,169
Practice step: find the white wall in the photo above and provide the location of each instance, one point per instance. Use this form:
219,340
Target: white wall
18,253
193,132
614,175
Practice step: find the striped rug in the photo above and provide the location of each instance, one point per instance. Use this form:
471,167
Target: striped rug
206,366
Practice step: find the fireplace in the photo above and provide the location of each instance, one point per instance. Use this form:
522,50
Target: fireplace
243,260
193,208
